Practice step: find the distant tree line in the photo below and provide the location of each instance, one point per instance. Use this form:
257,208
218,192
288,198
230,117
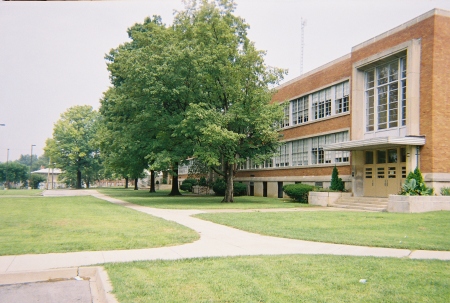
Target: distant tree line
18,171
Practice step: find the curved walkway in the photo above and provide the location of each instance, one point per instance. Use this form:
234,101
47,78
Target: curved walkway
215,241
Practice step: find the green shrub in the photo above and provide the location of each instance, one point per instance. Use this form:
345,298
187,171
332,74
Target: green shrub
164,181
187,184
298,192
445,191
415,186
202,182
336,182
239,189
220,186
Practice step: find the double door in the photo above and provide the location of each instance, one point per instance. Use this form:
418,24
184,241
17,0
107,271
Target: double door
384,172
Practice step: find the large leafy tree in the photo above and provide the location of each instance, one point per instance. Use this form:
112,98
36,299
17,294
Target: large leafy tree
234,120
122,151
151,77
198,88
73,147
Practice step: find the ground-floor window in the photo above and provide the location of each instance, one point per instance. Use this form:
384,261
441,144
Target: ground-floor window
305,152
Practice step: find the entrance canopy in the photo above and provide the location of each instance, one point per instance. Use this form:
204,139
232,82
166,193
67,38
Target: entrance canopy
376,143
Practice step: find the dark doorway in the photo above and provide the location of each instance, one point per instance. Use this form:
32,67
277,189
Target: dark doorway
280,189
264,189
252,189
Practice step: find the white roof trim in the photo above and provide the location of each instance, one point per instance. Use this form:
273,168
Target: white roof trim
372,143
55,171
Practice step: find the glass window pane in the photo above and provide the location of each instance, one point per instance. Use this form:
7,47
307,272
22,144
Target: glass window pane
381,156
369,157
392,156
402,154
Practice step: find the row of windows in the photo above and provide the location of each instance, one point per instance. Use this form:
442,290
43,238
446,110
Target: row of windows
321,104
304,152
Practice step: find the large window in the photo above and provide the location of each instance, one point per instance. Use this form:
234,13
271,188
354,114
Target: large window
341,97
305,152
300,110
285,121
321,103
300,150
385,86
282,159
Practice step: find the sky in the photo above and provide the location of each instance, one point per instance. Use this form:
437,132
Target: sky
52,53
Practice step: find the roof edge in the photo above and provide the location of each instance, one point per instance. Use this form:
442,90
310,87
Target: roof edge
433,12
316,70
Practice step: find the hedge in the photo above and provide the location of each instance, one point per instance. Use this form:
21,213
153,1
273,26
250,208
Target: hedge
298,192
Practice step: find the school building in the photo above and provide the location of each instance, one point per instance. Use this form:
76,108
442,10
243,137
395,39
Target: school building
376,114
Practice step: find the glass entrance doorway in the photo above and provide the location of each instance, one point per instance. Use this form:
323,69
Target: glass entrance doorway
384,171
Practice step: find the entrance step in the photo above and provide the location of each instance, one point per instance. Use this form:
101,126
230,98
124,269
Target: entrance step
363,203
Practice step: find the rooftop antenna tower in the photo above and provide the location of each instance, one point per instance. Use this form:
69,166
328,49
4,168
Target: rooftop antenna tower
303,24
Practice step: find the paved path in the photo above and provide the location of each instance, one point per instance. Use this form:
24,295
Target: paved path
215,241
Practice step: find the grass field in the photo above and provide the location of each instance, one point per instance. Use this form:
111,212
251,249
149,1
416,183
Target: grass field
292,278
428,231
21,192
161,199
37,225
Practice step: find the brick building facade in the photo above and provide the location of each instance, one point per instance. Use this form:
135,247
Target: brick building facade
376,114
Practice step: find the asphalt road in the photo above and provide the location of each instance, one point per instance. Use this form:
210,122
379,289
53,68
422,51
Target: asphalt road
47,292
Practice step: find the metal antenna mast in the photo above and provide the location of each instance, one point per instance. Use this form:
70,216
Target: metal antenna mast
303,24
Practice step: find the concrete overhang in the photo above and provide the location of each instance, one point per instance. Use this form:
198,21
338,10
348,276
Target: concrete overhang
376,143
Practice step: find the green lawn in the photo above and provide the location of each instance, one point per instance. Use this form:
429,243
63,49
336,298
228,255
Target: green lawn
38,225
161,199
21,192
292,278
428,231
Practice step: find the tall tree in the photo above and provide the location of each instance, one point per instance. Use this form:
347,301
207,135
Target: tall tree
234,120
73,146
150,77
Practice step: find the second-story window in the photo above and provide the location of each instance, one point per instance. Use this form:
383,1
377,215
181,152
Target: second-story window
300,110
341,97
285,121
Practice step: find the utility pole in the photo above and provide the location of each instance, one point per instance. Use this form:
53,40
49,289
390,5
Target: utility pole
7,160
31,164
303,24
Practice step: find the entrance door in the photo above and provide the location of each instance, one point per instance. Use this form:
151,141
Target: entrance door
384,172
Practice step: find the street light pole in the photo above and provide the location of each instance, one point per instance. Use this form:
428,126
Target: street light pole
2,124
7,160
31,164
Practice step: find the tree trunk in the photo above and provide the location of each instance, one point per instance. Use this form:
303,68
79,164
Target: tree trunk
126,182
229,197
175,191
136,184
78,179
152,181
88,183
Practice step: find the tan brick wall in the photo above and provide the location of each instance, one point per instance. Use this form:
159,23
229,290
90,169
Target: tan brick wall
438,154
315,128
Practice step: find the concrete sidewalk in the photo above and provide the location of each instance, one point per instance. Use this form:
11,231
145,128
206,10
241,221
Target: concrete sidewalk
215,241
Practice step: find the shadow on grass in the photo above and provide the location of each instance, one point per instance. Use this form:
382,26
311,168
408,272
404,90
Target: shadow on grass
161,199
